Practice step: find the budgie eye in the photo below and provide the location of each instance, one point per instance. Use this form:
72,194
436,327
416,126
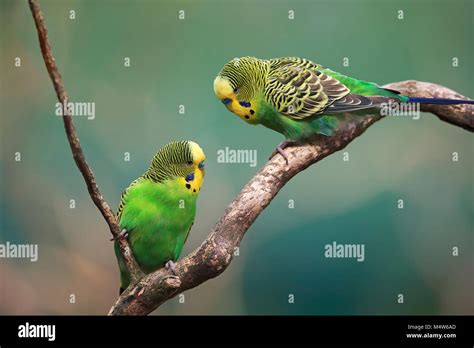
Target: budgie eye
201,165
236,90
189,177
189,162
226,101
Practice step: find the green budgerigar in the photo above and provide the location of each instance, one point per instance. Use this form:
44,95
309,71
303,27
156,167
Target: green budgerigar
157,210
299,98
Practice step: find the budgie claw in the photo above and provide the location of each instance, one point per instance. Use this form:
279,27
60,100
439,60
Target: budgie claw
123,234
280,149
171,266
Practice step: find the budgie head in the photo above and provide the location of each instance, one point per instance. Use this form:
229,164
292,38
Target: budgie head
179,160
239,85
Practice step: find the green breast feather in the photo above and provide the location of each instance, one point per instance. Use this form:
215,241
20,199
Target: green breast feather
158,218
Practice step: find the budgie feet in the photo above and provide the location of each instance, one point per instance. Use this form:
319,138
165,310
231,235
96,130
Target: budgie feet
122,235
280,149
171,266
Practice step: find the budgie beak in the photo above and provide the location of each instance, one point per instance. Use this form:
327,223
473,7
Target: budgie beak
198,164
201,168
223,89
224,92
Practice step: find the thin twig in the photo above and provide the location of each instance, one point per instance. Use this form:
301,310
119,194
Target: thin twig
74,143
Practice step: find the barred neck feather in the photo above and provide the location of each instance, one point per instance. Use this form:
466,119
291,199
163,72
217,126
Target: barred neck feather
247,76
173,160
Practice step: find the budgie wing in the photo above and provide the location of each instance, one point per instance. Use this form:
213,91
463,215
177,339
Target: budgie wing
123,198
353,102
298,89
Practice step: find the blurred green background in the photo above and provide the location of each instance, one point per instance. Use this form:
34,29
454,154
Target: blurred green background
173,62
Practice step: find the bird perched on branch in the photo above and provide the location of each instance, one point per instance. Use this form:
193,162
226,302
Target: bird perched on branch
157,210
299,98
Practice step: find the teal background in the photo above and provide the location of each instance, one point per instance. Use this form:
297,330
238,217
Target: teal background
173,62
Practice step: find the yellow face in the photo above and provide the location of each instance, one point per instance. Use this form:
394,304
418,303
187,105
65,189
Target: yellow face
193,182
229,97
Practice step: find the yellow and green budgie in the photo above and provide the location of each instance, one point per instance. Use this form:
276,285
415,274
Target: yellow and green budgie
157,210
299,98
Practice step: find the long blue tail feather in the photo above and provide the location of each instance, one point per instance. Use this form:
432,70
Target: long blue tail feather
440,101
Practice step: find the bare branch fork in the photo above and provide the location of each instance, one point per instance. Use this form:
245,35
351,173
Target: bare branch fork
148,292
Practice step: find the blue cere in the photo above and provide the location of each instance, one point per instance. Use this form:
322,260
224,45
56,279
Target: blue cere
201,165
189,177
226,101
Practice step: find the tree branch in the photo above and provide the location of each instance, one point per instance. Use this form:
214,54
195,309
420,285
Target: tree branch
461,115
74,143
215,253
148,292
